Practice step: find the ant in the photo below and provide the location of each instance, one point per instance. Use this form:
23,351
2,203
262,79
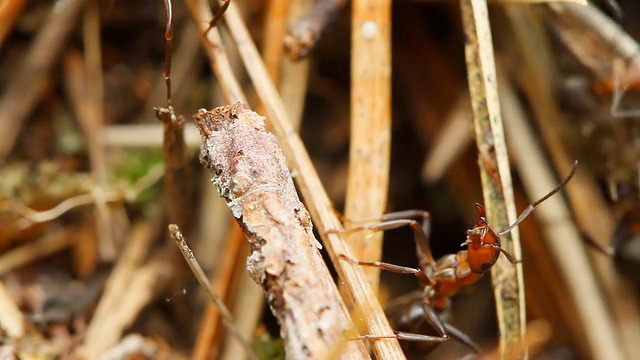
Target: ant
445,277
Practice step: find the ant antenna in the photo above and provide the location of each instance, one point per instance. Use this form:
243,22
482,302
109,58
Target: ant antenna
168,35
530,208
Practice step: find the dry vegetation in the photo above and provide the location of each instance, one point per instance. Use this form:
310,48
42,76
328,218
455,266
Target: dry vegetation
386,107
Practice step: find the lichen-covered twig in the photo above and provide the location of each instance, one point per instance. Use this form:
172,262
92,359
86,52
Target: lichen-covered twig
252,176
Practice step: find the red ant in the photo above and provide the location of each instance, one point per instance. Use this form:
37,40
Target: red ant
445,277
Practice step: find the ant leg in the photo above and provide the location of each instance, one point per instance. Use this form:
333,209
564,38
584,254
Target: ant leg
399,219
404,336
433,318
422,277
457,334
421,216
512,259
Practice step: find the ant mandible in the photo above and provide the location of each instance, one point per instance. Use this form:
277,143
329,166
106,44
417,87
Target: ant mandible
445,277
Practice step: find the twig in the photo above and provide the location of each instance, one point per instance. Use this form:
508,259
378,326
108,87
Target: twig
26,86
311,187
178,183
305,33
494,170
178,187
227,318
251,175
370,144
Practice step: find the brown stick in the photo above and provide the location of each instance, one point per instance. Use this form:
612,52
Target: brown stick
252,176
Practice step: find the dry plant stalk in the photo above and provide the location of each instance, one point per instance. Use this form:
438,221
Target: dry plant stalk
494,170
370,139
195,267
252,176
594,38
132,284
25,87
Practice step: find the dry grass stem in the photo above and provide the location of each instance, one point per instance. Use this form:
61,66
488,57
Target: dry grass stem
370,138
144,136
285,260
131,285
274,30
593,37
177,179
494,170
228,261
294,75
453,139
26,85
11,320
9,13
49,243
227,318
248,310
215,51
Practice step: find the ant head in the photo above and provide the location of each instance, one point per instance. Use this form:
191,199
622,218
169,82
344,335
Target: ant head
484,244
